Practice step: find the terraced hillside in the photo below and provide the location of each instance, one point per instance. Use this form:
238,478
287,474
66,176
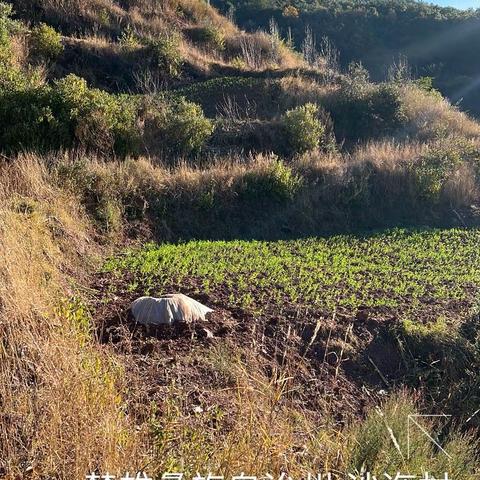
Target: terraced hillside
427,39
330,221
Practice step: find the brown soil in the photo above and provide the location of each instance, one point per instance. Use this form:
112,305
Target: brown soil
341,371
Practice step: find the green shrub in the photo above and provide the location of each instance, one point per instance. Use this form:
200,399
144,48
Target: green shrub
128,40
304,129
76,177
46,43
188,127
177,126
210,36
101,121
166,54
426,84
277,182
239,63
434,169
68,113
42,117
365,110
29,120
7,27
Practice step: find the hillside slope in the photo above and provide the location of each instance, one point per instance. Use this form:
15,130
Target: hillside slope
437,42
149,147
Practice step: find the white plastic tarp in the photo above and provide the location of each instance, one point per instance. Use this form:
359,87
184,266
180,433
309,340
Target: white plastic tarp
168,309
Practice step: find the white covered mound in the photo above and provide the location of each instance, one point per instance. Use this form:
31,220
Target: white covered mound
168,309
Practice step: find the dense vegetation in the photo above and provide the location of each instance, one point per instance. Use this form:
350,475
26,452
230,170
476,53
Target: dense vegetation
398,269
437,42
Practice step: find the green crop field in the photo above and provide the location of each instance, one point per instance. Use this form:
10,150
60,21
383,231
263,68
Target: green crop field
409,271
394,310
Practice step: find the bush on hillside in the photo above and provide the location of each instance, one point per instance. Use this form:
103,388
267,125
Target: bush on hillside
7,27
277,182
41,117
98,194
363,110
305,131
166,54
176,126
101,122
210,36
426,84
437,167
45,43
27,117
128,40
29,120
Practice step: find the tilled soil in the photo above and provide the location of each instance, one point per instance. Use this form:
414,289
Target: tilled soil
340,366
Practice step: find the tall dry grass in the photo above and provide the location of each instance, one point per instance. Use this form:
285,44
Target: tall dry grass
64,405
62,414
431,116
381,183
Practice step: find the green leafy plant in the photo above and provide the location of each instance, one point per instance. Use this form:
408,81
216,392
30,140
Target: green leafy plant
178,126
100,121
46,43
43,117
128,39
434,169
364,110
411,272
426,84
166,54
304,129
211,36
277,182
30,120
7,27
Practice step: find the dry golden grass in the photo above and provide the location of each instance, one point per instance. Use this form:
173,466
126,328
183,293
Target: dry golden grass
201,60
289,58
388,168
19,46
97,42
461,188
298,90
432,117
388,153
260,51
143,15
61,408
202,12
89,10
